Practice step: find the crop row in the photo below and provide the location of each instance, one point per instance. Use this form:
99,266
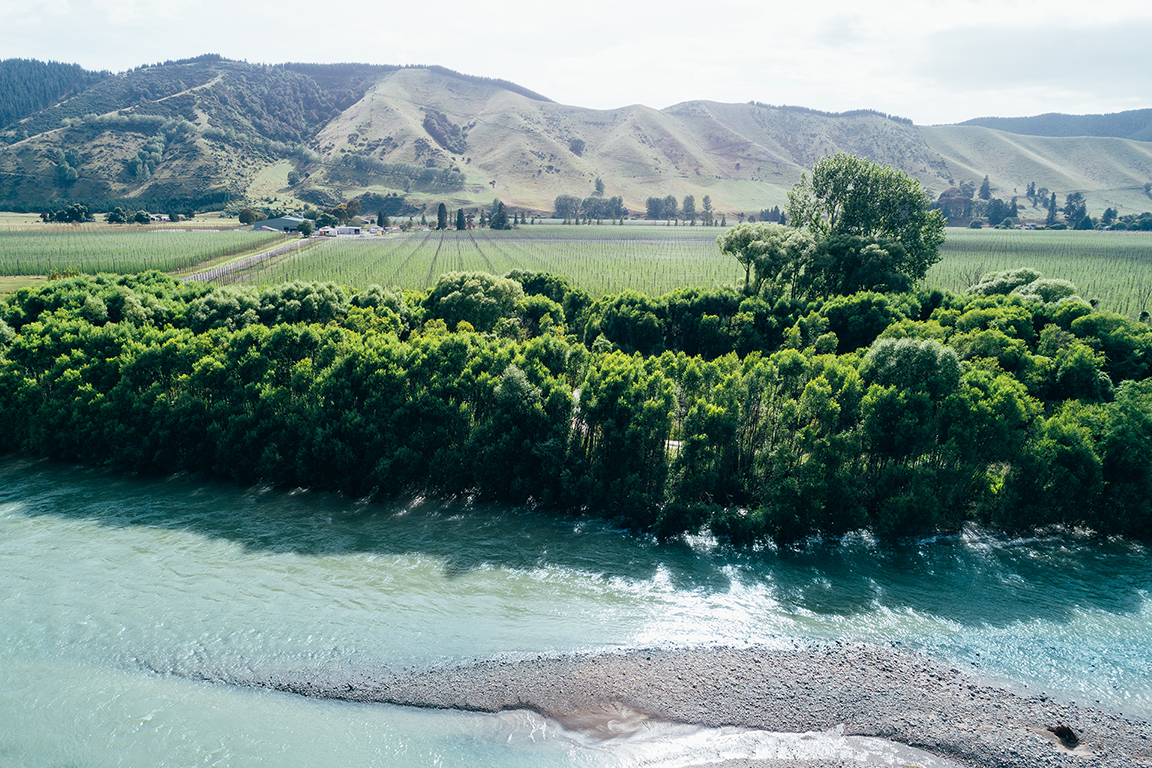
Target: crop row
1114,268
88,251
651,260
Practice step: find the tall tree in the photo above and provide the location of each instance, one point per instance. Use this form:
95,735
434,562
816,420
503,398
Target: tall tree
460,223
441,217
689,208
985,190
706,204
848,195
499,219
769,253
1075,208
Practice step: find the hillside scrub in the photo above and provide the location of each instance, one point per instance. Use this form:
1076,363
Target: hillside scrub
901,413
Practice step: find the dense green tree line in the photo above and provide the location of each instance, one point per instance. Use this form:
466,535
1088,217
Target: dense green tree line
756,417
28,86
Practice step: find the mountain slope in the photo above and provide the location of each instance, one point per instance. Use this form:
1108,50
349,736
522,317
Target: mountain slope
1111,172
1134,124
201,132
28,86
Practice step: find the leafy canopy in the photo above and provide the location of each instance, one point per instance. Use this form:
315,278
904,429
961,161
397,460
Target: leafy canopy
848,195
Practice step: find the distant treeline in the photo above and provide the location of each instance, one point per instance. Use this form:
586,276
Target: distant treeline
570,207
849,113
754,416
213,200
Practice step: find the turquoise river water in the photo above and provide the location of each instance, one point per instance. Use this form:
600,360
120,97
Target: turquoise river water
105,579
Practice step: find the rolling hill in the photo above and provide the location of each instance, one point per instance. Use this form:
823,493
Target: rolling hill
202,132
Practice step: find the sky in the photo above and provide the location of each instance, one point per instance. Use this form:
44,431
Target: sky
935,63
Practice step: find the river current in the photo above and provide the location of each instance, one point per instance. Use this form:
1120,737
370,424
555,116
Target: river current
109,584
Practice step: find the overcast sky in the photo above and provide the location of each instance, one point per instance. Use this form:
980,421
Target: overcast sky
935,63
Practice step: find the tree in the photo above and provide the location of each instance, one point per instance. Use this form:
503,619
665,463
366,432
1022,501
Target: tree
460,223
576,146
475,297
305,228
997,211
706,204
441,217
499,219
768,252
985,190
141,217
599,185
1051,210
116,216
566,206
689,208
848,195
671,207
248,216
293,178
1075,208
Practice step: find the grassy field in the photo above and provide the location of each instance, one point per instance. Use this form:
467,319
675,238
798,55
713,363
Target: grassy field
1115,268
601,259
32,251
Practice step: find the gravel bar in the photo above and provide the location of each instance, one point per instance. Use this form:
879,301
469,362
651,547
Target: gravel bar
868,690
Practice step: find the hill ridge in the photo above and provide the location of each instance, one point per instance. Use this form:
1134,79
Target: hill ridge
209,130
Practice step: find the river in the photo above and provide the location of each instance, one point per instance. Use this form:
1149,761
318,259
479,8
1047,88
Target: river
115,590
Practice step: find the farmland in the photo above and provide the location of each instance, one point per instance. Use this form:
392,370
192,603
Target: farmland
1114,268
600,259
88,250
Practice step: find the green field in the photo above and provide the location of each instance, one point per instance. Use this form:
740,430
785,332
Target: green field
1114,268
601,259
30,251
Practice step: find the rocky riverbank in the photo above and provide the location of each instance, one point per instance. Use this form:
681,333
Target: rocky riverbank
868,690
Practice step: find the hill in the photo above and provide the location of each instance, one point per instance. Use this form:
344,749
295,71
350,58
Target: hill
1110,172
1134,124
203,132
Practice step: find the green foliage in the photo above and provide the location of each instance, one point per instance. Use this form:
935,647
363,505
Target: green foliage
446,133
959,411
841,266
499,218
774,254
848,195
475,297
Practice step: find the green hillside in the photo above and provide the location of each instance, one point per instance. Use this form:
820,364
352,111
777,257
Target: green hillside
204,132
